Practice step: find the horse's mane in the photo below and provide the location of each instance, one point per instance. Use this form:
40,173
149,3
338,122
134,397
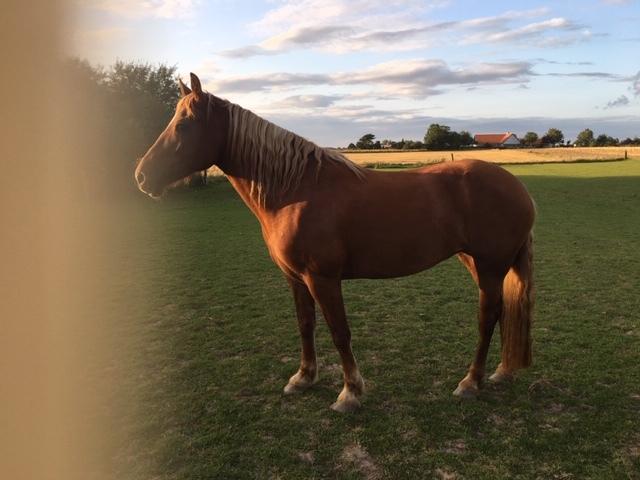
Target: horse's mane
275,158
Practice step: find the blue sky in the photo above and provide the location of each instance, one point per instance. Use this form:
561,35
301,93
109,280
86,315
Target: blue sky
332,70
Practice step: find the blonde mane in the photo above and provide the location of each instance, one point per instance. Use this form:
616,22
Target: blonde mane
275,158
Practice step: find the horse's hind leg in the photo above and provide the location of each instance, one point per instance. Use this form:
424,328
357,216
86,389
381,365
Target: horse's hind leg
307,375
328,293
490,285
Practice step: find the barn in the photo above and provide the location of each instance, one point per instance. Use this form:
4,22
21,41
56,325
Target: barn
506,139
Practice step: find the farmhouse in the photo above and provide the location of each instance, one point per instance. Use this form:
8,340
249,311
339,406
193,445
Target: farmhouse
506,139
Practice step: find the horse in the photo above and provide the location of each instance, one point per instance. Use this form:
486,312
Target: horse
325,219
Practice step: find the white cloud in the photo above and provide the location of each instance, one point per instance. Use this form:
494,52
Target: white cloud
418,78
145,8
635,85
341,26
306,102
305,13
527,32
621,101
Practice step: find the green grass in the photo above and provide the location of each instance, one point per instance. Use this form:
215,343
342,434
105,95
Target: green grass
210,340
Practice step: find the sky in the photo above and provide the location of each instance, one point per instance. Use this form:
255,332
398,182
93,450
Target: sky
333,70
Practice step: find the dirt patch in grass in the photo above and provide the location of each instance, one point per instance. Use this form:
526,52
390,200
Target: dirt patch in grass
443,474
355,456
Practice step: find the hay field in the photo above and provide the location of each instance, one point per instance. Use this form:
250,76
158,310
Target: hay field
504,156
413,158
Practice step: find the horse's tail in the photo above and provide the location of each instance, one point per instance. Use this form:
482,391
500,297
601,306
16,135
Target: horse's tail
517,310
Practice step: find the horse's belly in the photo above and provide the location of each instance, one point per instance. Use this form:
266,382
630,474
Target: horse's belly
388,261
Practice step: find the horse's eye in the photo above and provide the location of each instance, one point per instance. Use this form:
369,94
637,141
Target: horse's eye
181,127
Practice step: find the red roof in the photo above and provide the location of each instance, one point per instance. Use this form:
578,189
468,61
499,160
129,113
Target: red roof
492,138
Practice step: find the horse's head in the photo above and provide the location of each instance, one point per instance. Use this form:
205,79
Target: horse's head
194,140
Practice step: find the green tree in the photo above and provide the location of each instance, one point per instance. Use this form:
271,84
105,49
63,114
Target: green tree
123,109
437,137
143,100
530,139
553,136
466,138
366,141
606,141
585,138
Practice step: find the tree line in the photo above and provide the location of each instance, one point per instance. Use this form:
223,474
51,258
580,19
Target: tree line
441,137
586,138
437,137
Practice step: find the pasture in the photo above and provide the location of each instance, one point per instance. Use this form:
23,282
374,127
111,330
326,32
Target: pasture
210,339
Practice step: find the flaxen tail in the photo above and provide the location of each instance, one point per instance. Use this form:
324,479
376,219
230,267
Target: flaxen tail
517,310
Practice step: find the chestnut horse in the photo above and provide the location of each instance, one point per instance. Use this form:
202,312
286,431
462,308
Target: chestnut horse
325,219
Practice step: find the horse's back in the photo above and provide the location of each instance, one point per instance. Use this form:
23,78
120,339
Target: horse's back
467,206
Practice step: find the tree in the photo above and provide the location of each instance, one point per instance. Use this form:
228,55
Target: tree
412,145
437,137
352,146
366,141
122,109
605,141
530,139
553,136
585,138
466,138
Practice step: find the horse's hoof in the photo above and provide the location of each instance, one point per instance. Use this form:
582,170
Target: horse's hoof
346,406
466,389
292,388
299,383
501,375
347,402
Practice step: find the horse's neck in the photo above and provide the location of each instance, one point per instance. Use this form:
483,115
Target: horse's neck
242,185
241,174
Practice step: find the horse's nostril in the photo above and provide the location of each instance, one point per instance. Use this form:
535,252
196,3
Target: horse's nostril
140,178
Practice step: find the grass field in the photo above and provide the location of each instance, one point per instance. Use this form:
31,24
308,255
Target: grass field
504,156
210,340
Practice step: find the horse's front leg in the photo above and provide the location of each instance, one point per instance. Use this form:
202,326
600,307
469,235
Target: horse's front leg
328,293
307,375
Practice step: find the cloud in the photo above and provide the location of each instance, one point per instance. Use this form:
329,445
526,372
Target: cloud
422,78
145,8
621,101
417,78
532,33
600,75
306,101
616,2
247,51
307,36
554,62
635,85
306,13
341,26
274,81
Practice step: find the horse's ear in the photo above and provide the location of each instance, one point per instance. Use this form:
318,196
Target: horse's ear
184,90
195,85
